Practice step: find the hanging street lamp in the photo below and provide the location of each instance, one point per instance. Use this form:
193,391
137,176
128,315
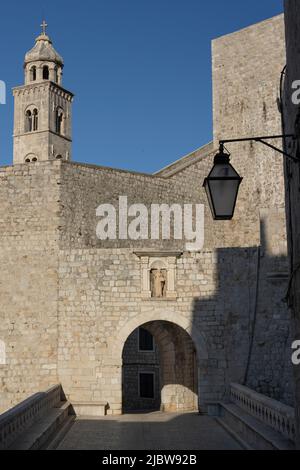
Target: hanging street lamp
223,182
222,186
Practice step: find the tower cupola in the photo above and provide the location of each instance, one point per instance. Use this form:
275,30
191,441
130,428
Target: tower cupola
42,62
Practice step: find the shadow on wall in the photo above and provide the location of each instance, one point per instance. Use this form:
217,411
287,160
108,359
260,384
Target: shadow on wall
246,324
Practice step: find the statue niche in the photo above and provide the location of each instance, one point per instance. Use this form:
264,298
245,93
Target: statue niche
158,283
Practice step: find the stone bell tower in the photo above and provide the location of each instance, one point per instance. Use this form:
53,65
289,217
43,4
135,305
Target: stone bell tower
43,108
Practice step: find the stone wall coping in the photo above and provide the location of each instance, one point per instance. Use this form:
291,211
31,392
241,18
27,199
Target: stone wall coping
45,84
249,28
158,254
163,174
109,169
186,161
163,299
25,404
14,421
277,415
11,414
89,403
83,166
269,402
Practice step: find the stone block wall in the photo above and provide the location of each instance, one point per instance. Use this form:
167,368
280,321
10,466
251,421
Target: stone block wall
69,302
100,297
93,294
28,280
85,187
291,115
247,68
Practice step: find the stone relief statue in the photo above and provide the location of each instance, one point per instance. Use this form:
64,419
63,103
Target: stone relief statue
158,280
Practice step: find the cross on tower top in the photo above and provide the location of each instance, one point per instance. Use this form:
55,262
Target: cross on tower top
44,26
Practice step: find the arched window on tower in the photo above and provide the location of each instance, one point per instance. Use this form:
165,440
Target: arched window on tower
28,121
33,74
59,121
35,123
56,75
31,158
45,72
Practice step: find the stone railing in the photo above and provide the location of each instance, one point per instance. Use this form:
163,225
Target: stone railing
14,421
278,416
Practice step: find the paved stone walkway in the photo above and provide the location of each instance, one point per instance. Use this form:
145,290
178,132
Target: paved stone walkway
153,431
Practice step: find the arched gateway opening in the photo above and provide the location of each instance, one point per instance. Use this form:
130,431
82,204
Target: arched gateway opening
160,369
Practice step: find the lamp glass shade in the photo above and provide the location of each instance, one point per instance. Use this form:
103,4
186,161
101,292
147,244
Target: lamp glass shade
222,186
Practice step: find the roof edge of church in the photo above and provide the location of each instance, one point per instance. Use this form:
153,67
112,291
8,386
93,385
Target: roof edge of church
185,161
108,168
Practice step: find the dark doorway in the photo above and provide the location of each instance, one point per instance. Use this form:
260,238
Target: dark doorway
141,373
160,370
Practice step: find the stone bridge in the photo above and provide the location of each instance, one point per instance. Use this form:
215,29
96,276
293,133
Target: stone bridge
249,420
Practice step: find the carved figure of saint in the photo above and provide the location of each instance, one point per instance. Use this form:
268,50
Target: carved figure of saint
158,283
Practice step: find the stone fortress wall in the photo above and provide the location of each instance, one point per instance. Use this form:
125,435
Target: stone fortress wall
69,301
291,126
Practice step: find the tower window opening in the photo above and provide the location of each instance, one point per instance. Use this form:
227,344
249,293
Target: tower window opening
45,72
56,75
59,121
28,121
35,120
31,158
33,73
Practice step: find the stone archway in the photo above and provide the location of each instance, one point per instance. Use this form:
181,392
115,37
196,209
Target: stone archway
164,315
182,350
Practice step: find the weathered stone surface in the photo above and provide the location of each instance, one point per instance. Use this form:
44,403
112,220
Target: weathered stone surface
70,301
292,176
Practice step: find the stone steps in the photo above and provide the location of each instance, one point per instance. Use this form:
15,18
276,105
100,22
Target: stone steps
250,432
41,433
60,434
95,409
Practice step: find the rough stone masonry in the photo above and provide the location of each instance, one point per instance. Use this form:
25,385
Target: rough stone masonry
69,301
290,121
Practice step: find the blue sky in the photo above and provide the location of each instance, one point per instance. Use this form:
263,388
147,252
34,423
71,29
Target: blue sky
140,70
